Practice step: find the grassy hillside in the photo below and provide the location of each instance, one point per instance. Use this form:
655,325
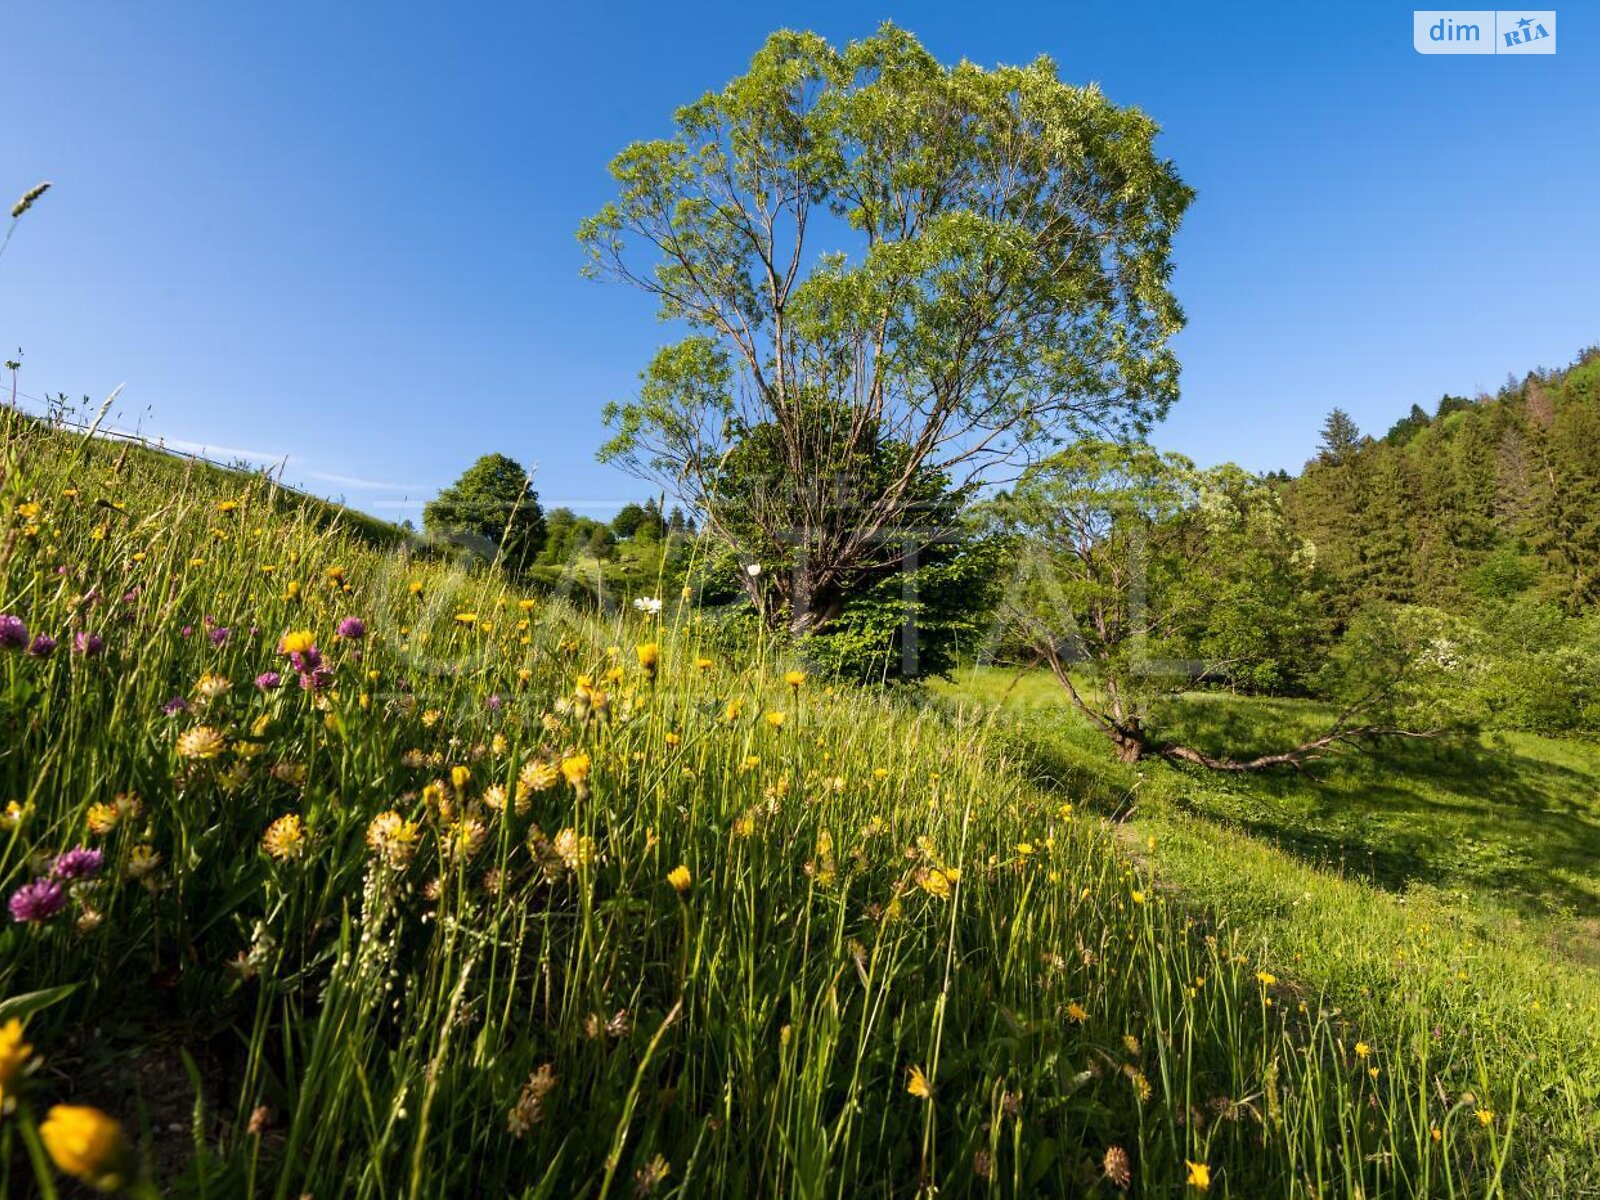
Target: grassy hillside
1447,895
490,896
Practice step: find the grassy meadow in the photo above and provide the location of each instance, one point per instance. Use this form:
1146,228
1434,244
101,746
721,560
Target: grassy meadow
344,872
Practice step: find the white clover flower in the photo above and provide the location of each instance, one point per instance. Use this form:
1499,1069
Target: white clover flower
648,604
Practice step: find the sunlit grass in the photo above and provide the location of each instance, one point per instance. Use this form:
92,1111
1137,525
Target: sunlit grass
501,904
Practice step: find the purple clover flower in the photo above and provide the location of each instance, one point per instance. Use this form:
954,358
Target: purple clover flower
493,701
88,644
186,631
219,635
306,661
13,632
316,680
269,681
175,706
42,646
80,862
36,902
352,629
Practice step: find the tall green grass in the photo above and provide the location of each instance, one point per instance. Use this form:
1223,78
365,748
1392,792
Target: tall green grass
776,940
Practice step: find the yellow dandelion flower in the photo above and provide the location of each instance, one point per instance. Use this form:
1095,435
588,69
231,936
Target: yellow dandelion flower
14,1055
88,1145
917,1084
732,711
1266,978
1362,1050
795,679
201,742
680,879
704,664
649,657
575,769
297,641
775,719
415,587
1485,1116
1076,1012
285,838
466,618
673,739
1199,1175
1137,896
1024,848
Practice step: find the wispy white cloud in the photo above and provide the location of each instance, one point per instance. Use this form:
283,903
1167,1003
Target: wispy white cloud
370,485
212,451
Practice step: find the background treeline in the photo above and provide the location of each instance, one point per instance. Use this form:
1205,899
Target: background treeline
1486,512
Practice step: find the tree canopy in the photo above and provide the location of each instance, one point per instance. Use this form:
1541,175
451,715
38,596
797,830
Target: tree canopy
866,249
492,509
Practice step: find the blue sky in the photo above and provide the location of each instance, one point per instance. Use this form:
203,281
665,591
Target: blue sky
345,233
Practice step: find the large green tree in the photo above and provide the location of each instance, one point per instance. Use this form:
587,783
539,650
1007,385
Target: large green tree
864,248
493,510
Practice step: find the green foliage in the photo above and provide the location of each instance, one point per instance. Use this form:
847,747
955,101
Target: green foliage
858,269
492,510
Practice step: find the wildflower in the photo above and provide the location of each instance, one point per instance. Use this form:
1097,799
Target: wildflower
680,879
673,739
219,636
297,641
352,629
14,1054
88,1145
575,769
467,838
917,1084
285,838
393,838
1199,1175
573,850
704,664
1026,848
1266,978
202,742
42,646
537,776
528,1111
650,1176
466,618
210,687
1118,1169
88,644
175,706
1362,1050
1485,1116
269,681
1137,896
143,861
934,881
13,815
415,587
460,777
649,658
794,679
649,605
1076,1012
36,902
775,719
77,863
13,632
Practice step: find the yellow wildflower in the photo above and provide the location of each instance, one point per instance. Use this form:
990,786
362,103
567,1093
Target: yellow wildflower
88,1145
680,879
1199,1175
285,838
201,742
917,1084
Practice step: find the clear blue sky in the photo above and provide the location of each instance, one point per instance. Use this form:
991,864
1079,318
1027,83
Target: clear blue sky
344,232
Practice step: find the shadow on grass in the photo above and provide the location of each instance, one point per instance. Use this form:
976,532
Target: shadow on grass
1514,819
